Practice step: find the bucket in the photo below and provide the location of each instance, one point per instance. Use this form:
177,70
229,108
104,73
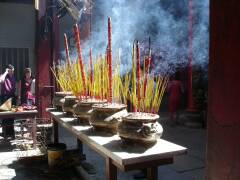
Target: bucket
55,153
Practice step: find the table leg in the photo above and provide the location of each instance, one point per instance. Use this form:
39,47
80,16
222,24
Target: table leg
152,173
55,131
80,146
111,170
34,132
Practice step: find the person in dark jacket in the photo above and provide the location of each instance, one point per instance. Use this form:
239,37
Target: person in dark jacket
8,88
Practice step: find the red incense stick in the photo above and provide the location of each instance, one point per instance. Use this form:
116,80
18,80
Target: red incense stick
79,51
110,58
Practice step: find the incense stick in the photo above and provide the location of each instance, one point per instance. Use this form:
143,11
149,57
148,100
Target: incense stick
110,58
79,51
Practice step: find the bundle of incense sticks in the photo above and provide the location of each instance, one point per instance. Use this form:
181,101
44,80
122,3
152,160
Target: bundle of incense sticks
61,73
153,87
100,84
100,79
79,51
117,81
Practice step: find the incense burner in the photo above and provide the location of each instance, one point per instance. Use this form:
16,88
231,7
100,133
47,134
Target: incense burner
140,128
83,110
58,99
105,117
69,102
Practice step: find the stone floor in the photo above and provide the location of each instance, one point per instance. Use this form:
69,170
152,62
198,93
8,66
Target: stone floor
186,167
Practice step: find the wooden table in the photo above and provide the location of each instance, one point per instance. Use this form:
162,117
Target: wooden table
18,115
31,114
116,154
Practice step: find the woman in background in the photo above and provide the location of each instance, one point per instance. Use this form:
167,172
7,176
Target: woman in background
175,90
27,92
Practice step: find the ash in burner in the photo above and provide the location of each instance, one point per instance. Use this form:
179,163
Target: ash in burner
110,106
142,115
93,101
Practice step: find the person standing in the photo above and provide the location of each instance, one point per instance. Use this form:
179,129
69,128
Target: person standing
8,87
175,90
27,88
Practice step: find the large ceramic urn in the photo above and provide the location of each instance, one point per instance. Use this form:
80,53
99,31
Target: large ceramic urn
105,117
84,108
69,102
58,99
140,128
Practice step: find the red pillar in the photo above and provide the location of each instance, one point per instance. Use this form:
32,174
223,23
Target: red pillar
191,107
47,50
223,141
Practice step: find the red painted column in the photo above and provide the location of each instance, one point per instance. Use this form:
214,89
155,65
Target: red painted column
43,60
223,141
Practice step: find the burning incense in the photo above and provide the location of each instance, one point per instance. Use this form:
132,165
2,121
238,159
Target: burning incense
138,75
110,58
100,87
66,49
161,85
60,74
79,51
141,83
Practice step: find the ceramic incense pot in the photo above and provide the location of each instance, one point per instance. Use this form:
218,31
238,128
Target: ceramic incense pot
141,128
68,103
58,99
84,108
105,117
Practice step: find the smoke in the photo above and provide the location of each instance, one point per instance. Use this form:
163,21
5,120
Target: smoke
164,21
201,33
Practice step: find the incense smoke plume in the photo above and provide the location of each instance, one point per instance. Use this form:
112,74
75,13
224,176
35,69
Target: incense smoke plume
164,21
